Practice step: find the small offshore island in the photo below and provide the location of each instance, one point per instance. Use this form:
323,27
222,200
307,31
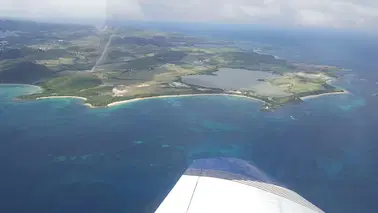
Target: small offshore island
108,66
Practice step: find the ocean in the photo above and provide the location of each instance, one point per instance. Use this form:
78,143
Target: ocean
58,156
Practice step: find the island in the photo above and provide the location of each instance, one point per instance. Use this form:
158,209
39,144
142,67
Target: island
111,65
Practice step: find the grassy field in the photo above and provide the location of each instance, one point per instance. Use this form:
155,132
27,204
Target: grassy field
294,84
143,63
204,50
57,62
71,83
22,71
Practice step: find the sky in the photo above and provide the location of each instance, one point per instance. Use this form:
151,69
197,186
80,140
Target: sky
361,14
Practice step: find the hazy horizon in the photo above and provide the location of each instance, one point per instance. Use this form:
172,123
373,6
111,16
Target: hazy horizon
207,26
338,14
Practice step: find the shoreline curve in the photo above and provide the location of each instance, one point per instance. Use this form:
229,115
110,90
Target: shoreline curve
345,92
117,103
183,95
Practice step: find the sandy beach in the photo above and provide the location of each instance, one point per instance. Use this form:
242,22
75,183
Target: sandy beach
324,94
66,96
172,96
63,96
146,98
117,103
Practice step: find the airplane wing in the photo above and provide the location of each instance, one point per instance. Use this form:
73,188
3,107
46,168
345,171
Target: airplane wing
233,186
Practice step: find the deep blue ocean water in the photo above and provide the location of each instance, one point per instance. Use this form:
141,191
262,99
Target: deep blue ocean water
59,156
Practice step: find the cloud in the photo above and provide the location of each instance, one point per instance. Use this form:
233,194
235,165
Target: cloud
323,13
55,9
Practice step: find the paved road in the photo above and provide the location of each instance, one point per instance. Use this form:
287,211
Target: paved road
101,58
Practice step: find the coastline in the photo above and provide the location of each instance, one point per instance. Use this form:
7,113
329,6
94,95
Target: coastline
183,95
28,85
62,96
38,88
324,94
117,103
329,81
173,96
67,96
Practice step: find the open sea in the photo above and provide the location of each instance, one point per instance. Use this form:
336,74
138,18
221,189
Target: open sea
59,156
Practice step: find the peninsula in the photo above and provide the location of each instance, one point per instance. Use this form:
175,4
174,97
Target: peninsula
116,65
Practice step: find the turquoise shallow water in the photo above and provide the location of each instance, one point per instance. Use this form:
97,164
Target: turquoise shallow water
57,155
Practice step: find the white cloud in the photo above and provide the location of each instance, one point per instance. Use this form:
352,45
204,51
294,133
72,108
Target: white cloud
127,9
331,13
54,9
312,17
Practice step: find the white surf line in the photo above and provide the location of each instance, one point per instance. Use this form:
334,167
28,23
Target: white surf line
104,51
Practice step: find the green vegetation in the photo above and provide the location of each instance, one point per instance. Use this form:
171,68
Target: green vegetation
250,60
110,65
75,82
205,50
95,91
16,53
21,71
294,84
71,85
